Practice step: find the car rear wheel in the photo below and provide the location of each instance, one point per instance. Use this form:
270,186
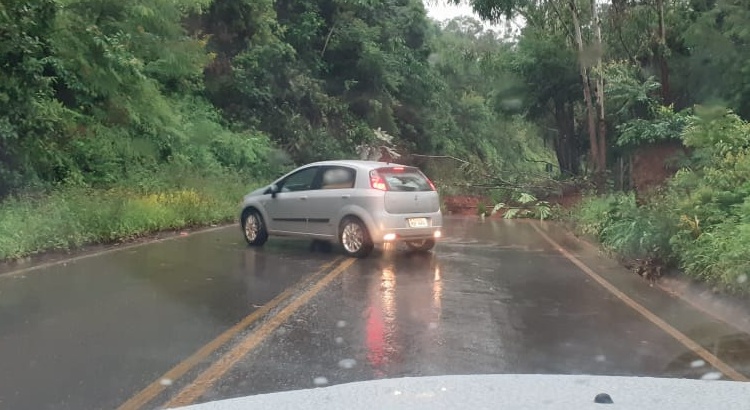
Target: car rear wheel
253,228
423,245
354,238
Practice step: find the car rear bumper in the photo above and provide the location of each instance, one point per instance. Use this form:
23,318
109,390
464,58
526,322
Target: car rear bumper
395,227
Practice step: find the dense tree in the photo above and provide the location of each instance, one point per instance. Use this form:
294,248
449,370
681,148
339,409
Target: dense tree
92,92
550,18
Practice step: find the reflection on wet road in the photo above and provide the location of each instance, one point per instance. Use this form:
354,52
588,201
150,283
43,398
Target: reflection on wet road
493,297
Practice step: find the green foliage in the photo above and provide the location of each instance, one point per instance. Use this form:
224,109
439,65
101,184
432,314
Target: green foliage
701,220
73,216
718,59
712,199
633,106
472,114
530,207
96,91
626,229
627,92
664,126
720,256
482,209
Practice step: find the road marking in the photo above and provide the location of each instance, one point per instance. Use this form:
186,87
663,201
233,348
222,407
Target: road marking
210,376
685,298
115,248
156,387
659,322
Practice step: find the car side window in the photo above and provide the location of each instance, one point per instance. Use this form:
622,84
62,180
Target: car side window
303,180
338,178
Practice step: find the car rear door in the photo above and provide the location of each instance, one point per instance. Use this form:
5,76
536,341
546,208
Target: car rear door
335,191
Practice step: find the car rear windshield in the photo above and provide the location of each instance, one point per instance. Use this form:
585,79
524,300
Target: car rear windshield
405,179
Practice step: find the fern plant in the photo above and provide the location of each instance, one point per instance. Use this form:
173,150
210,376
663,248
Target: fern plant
530,206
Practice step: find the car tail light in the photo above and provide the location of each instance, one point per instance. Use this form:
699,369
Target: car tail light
431,184
377,181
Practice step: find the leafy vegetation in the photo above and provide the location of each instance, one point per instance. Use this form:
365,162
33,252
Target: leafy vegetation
628,230
529,207
124,117
75,216
110,100
701,219
613,80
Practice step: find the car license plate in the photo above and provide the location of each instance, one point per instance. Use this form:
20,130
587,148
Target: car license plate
418,223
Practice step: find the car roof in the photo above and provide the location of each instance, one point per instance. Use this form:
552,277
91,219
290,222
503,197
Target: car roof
358,163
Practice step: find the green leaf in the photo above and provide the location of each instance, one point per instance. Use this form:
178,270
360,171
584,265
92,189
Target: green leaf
526,198
497,207
511,213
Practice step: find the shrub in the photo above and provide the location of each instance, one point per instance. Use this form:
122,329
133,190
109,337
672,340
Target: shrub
701,220
73,216
626,229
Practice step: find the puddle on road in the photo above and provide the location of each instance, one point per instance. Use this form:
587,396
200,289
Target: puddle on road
733,349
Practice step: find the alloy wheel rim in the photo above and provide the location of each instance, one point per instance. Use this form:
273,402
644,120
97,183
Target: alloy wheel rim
352,237
252,226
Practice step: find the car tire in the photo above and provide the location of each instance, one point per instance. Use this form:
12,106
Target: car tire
421,246
355,238
254,228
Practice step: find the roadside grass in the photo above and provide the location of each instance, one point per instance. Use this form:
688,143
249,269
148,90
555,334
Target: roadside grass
626,229
657,235
70,217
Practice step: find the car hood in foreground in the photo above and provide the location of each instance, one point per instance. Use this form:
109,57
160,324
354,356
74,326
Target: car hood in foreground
504,392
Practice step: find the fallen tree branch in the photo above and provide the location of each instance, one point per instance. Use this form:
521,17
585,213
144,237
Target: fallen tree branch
441,156
328,38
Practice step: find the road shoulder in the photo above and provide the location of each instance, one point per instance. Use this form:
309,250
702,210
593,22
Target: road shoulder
48,259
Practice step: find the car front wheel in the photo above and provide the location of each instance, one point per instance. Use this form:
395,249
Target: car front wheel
253,228
354,238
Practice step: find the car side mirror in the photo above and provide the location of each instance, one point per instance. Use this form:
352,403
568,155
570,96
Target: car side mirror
273,190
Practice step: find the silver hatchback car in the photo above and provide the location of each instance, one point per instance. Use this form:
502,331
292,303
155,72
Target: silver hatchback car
357,204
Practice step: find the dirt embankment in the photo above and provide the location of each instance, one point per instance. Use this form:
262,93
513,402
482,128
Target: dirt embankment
466,204
654,164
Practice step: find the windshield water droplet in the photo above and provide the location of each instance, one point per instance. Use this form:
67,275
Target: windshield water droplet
347,363
711,376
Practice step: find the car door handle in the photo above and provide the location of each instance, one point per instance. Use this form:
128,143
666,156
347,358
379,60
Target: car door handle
303,198
346,196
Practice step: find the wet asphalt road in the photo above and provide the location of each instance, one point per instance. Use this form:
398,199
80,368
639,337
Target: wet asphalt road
494,297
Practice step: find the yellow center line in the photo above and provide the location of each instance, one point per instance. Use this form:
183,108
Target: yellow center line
210,376
656,320
156,387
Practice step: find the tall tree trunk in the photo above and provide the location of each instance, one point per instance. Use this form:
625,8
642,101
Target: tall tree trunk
566,149
602,142
663,65
590,111
575,146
